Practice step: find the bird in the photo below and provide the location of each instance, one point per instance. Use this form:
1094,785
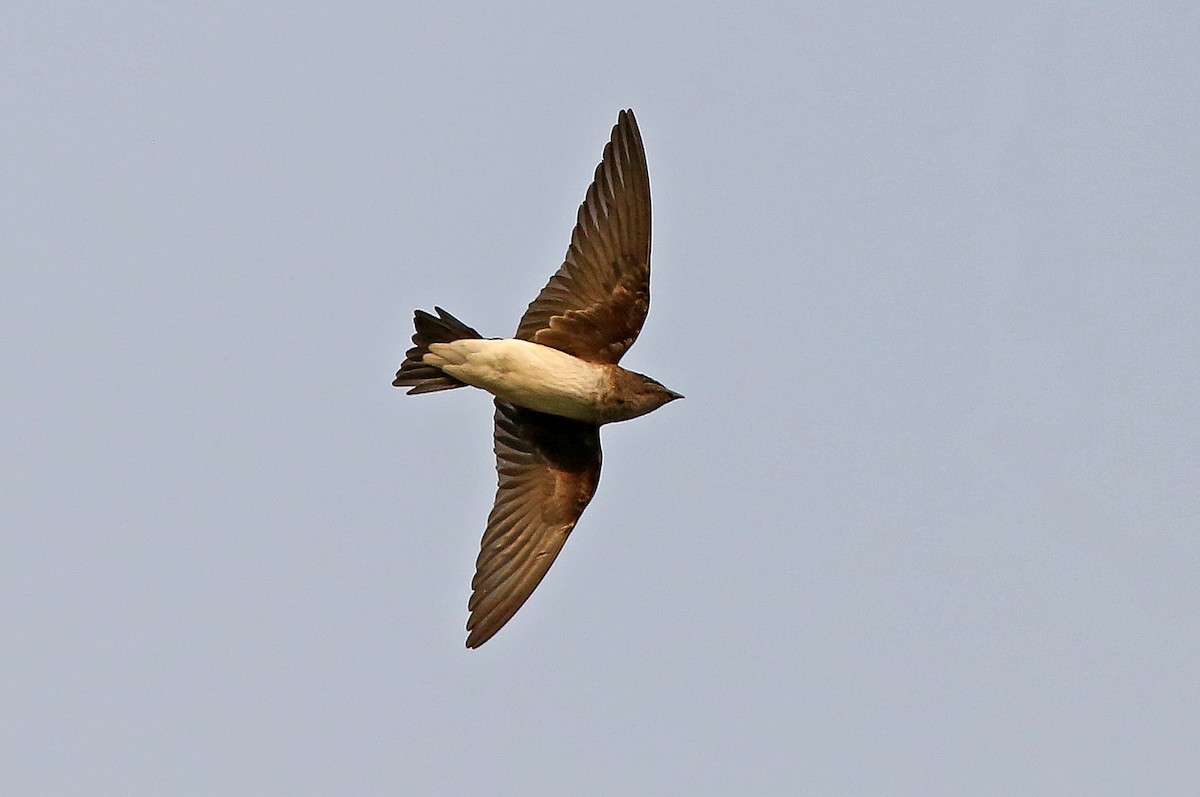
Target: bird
555,383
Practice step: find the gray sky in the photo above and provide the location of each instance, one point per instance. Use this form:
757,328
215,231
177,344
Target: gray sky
926,523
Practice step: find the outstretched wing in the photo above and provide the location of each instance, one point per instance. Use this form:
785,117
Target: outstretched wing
595,304
548,468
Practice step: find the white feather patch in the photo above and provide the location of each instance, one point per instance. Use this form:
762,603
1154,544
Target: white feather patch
526,374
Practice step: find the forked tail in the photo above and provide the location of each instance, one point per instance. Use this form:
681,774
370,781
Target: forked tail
414,372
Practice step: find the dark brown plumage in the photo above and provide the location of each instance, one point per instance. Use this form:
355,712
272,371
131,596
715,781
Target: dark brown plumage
595,304
548,470
592,309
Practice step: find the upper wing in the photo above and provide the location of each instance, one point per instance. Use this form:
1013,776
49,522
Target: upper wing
548,470
595,304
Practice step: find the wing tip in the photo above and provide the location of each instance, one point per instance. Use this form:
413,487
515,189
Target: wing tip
477,635
625,118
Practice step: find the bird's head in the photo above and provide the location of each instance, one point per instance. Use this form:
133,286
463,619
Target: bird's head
639,394
660,392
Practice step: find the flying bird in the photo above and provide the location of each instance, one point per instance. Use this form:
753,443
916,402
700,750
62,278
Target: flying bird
556,382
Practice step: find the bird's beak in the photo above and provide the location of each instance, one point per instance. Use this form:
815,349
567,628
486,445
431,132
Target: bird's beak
674,395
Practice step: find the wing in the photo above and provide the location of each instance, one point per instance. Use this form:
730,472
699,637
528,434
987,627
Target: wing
595,304
548,470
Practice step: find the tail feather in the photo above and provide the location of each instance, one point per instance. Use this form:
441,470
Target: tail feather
414,372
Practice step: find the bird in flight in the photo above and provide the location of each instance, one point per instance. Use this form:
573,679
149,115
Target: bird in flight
556,382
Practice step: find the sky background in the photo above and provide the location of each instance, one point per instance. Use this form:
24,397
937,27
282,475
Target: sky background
926,524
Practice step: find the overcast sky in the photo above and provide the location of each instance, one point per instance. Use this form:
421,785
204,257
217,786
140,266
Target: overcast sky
927,523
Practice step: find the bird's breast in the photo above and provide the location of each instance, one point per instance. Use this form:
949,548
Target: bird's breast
527,374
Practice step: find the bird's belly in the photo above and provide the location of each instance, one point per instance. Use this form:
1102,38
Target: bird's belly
527,374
